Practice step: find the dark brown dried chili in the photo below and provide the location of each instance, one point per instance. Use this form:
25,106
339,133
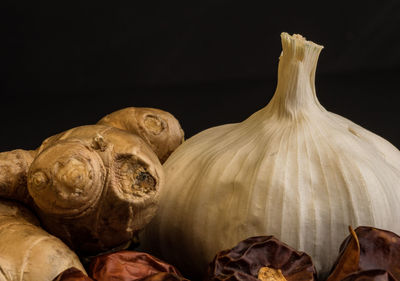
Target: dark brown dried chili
365,249
244,261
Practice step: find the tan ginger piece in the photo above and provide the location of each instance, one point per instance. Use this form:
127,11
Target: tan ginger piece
27,252
160,129
14,166
95,186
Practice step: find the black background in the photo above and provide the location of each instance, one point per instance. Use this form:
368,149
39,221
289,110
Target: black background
65,64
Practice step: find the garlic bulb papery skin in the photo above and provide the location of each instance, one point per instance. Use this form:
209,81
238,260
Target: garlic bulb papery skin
292,170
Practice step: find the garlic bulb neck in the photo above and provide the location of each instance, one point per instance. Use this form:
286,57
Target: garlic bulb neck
295,93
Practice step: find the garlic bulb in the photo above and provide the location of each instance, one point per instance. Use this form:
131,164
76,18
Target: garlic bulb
292,170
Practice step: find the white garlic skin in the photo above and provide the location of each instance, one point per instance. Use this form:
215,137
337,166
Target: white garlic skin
292,170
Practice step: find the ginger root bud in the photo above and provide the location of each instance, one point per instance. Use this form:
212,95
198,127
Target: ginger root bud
14,166
160,129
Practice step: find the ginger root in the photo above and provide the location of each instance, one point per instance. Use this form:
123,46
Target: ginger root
160,129
14,166
27,252
95,186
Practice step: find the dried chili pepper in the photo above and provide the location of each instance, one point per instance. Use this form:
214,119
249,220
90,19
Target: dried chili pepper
125,266
370,275
261,258
368,249
72,274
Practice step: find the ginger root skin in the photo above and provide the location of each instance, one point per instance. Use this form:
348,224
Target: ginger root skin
160,129
14,166
27,252
95,186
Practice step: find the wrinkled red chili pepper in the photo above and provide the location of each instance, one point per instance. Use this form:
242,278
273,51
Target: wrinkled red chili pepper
125,266
365,249
244,261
